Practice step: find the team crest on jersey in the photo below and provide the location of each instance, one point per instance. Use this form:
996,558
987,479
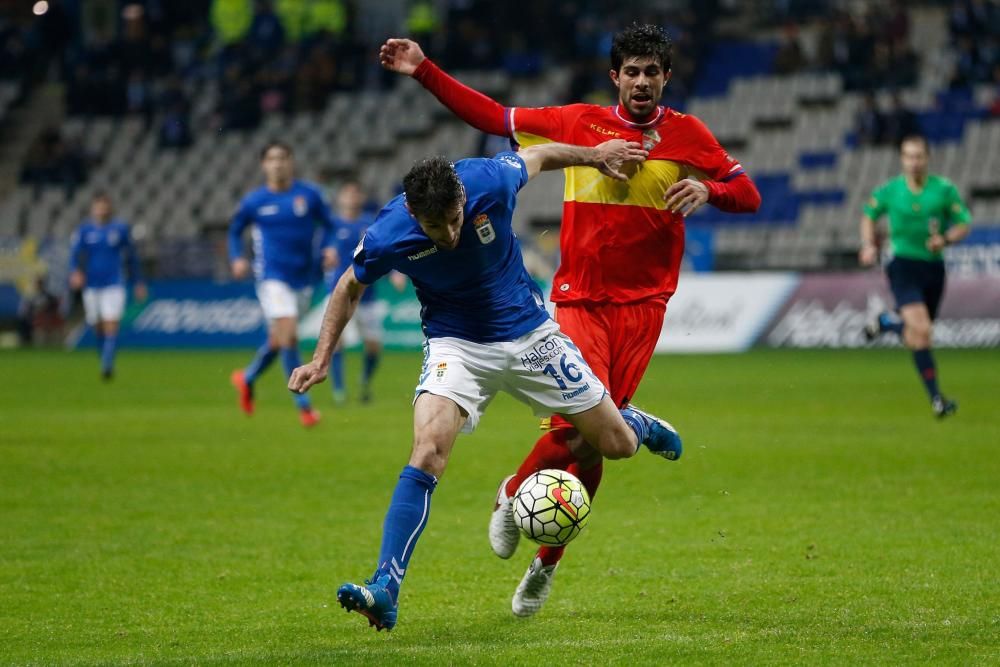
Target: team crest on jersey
300,205
650,138
440,371
484,229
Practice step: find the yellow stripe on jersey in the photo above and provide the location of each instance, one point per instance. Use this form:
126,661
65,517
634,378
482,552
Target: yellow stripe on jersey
645,186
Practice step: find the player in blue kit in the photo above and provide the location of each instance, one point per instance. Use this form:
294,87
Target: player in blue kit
486,331
100,247
351,223
284,215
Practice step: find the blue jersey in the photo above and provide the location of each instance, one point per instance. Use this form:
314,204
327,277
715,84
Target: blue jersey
346,237
284,226
480,291
100,250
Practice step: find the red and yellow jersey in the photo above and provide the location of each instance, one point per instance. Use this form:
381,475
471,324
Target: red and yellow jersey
619,243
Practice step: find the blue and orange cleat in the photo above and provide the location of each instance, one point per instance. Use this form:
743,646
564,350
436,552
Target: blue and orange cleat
309,417
372,601
244,389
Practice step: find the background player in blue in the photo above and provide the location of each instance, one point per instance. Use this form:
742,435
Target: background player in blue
285,216
486,331
100,246
351,223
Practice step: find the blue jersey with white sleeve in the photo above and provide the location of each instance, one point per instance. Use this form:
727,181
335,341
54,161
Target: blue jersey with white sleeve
283,228
101,250
346,237
480,291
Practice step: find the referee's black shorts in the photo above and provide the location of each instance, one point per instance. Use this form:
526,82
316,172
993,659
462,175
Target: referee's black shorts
916,281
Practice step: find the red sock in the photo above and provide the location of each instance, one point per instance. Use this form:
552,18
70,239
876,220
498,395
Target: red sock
550,451
591,479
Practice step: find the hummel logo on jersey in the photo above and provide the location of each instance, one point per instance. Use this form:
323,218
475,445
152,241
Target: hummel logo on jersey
510,161
484,229
423,253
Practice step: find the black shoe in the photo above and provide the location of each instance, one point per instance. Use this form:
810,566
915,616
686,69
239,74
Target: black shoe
366,395
943,407
107,375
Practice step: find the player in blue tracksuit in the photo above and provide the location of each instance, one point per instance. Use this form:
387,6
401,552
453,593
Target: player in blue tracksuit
284,215
486,331
100,247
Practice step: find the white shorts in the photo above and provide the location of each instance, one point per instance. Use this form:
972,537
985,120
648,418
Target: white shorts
103,304
278,299
543,368
367,321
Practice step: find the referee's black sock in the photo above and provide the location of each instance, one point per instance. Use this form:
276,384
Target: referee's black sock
928,371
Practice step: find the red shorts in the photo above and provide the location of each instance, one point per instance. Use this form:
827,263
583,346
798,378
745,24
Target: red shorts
616,340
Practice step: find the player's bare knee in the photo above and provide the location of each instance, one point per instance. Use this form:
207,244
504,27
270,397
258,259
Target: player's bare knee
618,443
428,456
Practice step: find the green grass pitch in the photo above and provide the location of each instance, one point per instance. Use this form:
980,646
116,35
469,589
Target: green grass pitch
820,515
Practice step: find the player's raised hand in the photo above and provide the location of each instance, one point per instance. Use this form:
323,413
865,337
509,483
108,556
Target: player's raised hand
614,154
306,376
401,55
686,196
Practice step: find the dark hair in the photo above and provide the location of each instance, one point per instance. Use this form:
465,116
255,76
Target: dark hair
916,137
640,40
274,143
101,195
432,188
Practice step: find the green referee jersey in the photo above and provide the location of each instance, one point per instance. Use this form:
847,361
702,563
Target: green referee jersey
914,216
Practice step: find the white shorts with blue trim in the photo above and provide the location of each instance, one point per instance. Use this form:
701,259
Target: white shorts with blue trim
278,299
103,304
543,369
367,321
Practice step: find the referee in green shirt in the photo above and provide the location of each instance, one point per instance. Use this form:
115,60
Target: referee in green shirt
926,213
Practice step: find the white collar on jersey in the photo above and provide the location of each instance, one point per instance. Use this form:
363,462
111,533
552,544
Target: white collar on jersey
631,123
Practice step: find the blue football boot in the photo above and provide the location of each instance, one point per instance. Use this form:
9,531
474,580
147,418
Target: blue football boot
371,600
662,438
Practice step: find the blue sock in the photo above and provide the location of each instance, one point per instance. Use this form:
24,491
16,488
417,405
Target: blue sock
371,363
928,371
638,422
337,371
290,360
262,359
887,322
108,350
99,341
405,520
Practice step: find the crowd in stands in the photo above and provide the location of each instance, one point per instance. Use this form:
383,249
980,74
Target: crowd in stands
975,32
869,45
55,160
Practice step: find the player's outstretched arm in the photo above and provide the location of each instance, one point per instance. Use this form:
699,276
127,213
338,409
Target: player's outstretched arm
343,302
607,158
481,112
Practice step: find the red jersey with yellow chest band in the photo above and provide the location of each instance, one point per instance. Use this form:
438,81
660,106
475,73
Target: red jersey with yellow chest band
619,243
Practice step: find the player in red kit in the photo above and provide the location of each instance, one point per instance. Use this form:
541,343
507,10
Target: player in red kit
621,243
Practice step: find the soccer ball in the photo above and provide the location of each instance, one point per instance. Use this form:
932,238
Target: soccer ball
551,507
